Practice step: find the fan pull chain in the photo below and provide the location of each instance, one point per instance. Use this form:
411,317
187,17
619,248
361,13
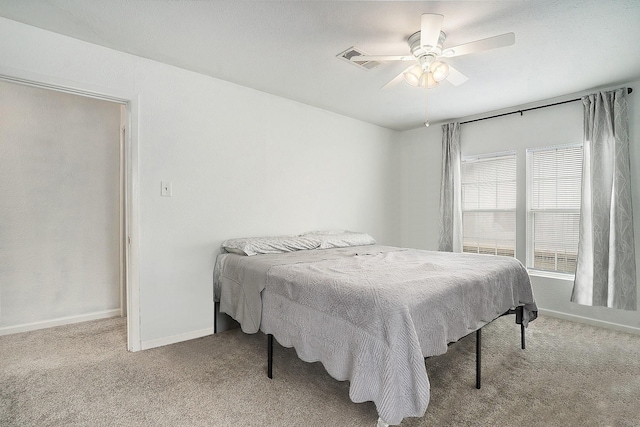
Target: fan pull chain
426,107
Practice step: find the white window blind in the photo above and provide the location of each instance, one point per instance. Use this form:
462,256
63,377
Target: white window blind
553,213
489,204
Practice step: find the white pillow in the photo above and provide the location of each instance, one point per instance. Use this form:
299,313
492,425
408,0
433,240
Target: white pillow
233,250
269,245
340,238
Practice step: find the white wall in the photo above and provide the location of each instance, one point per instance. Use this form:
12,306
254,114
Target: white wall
421,160
421,166
59,233
241,163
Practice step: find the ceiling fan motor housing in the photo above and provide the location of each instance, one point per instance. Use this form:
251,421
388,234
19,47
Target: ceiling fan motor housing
420,51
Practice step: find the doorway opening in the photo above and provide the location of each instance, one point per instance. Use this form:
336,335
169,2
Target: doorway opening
67,164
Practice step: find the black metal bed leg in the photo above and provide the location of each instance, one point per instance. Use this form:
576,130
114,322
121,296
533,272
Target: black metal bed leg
270,356
215,317
478,357
520,320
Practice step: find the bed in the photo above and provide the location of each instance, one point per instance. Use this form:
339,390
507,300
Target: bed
370,313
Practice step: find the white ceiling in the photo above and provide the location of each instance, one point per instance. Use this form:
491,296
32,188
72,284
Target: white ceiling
289,48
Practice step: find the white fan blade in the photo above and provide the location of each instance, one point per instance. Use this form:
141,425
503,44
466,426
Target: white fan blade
397,79
363,58
455,77
479,45
431,24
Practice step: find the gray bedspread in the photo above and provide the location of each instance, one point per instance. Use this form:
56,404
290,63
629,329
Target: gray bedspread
371,314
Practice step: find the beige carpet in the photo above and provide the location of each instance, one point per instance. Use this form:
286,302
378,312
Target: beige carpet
81,375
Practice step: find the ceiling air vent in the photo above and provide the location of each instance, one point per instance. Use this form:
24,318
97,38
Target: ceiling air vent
353,52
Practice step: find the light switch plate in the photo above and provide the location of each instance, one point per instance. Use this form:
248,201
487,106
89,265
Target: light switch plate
166,189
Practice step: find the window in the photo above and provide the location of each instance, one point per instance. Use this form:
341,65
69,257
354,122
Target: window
489,204
553,207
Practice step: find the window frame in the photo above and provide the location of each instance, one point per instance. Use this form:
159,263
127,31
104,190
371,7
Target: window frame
529,214
514,210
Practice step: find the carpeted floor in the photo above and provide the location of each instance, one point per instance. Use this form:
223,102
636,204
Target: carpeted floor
81,375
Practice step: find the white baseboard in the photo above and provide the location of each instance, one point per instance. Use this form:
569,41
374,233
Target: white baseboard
590,321
145,345
43,324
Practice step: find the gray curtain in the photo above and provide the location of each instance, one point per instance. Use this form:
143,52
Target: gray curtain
450,237
606,269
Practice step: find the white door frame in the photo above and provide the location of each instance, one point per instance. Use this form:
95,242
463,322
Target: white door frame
124,236
131,196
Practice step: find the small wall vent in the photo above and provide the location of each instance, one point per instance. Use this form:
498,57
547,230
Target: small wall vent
353,52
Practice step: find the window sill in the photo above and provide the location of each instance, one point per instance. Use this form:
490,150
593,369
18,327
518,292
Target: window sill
551,275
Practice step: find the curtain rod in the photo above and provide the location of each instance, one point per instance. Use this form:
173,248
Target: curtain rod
629,90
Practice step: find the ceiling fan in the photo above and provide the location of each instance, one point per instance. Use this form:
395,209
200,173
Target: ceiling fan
427,50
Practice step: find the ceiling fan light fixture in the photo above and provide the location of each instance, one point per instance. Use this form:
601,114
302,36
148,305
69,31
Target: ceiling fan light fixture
427,81
439,70
412,76
424,80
